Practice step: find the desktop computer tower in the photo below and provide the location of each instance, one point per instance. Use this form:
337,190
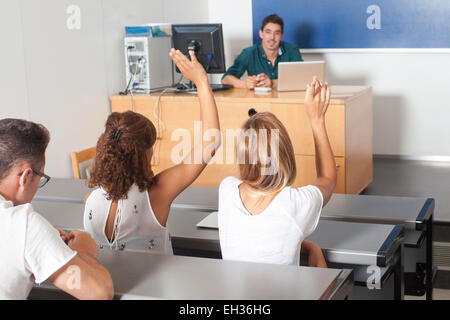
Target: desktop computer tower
148,64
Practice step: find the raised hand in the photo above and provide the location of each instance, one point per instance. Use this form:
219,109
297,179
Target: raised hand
191,69
317,99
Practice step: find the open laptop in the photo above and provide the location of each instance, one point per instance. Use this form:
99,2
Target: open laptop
294,76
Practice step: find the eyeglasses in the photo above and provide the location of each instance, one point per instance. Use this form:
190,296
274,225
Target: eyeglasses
44,178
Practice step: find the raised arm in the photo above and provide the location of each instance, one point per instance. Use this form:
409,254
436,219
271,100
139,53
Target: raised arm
170,182
317,99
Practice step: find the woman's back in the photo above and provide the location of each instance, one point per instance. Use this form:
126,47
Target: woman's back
261,218
134,223
133,204
273,235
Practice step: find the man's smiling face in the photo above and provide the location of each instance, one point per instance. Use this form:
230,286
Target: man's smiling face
271,36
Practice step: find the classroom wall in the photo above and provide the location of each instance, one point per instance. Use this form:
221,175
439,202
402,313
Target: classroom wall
410,110
62,78
410,98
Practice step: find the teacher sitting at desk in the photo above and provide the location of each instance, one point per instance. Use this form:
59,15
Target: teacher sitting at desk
261,60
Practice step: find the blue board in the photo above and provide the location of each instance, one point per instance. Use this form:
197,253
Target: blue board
321,24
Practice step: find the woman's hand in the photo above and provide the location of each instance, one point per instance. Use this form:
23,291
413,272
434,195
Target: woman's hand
315,254
316,258
317,99
191,69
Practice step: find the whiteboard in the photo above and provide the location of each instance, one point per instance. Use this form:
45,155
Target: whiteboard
372,24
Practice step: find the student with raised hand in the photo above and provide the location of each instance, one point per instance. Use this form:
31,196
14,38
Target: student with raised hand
262,218
130,207
31,249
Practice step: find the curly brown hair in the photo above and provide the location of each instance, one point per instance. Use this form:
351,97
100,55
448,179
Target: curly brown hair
121,157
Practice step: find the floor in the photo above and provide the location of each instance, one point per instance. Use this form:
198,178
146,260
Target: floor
413,178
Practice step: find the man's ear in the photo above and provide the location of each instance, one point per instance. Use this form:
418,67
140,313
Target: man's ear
260,33
25,178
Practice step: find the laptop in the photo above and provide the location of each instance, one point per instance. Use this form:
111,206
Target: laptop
294,76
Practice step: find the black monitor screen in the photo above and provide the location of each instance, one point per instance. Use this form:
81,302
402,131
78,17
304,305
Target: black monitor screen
207,42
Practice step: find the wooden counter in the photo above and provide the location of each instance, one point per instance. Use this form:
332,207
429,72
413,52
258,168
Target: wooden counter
348,120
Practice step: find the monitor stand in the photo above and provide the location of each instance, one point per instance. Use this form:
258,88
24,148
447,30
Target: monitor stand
191,88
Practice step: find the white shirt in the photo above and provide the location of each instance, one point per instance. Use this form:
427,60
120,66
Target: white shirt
136,226
29,247
273,236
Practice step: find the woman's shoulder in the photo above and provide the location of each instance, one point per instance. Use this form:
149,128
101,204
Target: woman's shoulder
229,182
306,196
309,190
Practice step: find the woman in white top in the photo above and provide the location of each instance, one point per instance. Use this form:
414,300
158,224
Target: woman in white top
130,207
261,218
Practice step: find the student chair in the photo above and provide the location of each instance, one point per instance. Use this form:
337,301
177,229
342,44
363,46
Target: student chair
78,158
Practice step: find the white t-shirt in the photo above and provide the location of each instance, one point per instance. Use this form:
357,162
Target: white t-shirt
29,247
136,224
273,236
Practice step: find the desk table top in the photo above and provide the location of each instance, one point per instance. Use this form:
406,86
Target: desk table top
138,275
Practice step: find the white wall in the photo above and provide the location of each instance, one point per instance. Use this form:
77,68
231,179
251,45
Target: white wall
236,27
13,83
62,78
410,94
66,79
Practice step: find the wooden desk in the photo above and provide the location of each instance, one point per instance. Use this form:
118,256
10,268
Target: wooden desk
349,124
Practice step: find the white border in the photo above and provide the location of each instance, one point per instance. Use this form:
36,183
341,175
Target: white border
378,50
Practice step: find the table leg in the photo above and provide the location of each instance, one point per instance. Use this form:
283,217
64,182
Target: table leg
429,258
399,281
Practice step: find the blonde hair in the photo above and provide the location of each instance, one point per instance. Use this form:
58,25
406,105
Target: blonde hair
265,154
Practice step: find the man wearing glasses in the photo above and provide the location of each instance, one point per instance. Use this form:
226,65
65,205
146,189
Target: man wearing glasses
261,60
30,248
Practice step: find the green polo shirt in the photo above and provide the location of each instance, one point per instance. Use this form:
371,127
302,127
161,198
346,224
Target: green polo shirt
254,61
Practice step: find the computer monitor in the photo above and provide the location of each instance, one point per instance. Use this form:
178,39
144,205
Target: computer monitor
207,42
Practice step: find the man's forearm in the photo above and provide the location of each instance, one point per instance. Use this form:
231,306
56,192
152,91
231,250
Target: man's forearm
100,273
235,82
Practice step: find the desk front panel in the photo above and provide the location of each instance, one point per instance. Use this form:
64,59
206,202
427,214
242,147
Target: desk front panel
179,115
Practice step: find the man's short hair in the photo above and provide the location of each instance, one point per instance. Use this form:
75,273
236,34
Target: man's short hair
21,141
273,18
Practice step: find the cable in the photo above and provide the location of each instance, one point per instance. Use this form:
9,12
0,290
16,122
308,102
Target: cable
210,57
138,65
132,101
125,92
157,106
